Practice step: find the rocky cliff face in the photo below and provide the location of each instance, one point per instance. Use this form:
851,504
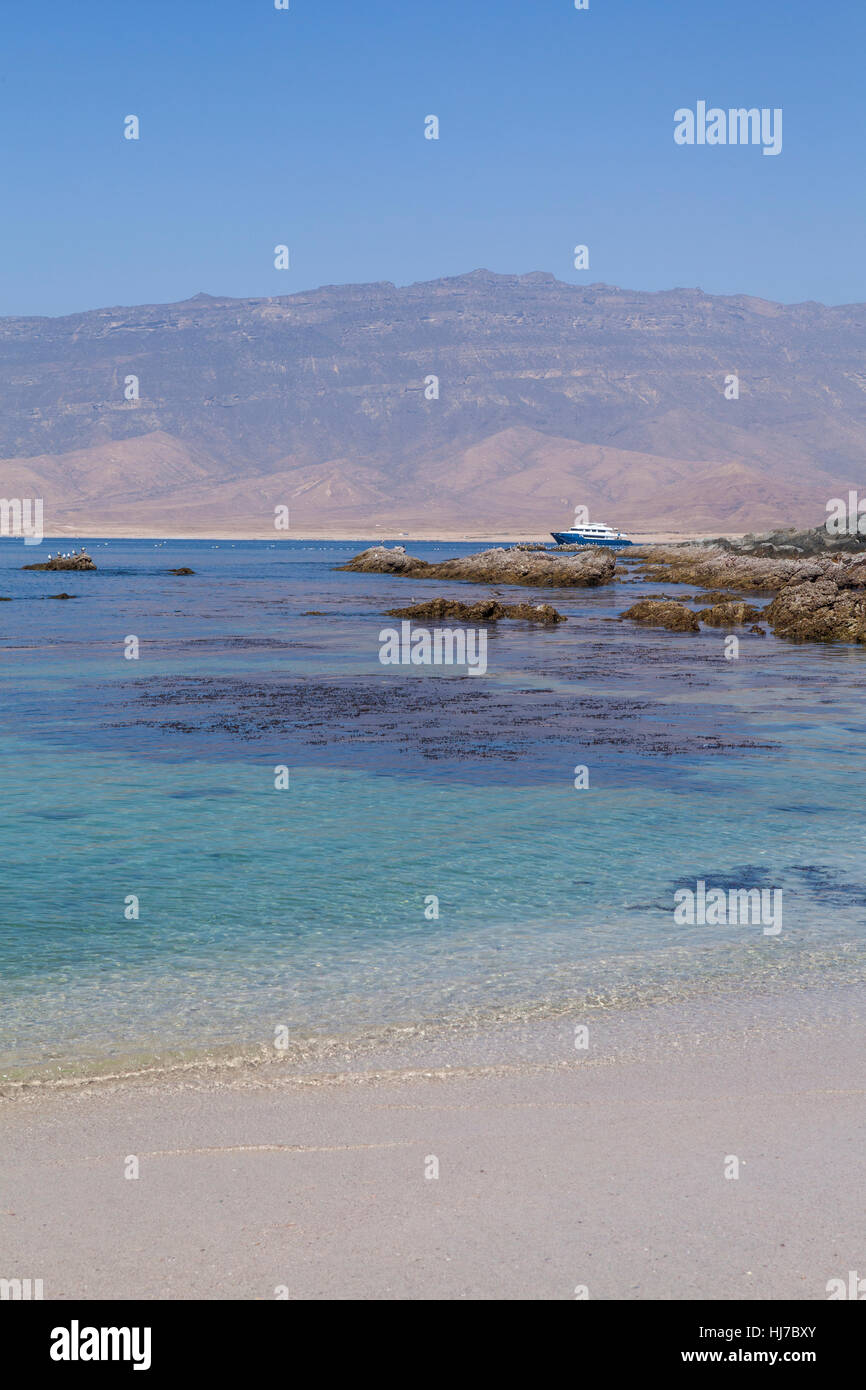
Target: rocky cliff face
549,396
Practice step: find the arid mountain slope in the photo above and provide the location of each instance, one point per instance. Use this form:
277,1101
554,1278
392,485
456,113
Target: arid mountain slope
550,396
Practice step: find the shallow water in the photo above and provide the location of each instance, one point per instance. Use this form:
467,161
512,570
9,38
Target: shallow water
310,907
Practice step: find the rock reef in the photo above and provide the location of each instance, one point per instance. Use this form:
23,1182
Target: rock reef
721,569
829,608
663,613
544,569
819,598
729,614
79,561
792,543
487,611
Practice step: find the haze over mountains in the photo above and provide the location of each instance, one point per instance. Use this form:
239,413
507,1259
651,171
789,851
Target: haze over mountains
550,396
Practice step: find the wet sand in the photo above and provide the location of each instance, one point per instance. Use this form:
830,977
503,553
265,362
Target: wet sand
557,1168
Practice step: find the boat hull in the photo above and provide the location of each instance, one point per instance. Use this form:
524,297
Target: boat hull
563,538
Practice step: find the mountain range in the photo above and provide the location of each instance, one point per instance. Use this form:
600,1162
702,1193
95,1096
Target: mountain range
547,396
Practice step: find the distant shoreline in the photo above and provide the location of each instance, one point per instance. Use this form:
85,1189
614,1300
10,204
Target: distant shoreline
390,537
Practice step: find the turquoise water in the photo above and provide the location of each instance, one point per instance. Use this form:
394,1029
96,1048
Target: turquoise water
305,907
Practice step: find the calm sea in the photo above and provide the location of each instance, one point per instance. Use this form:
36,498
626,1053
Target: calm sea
431,858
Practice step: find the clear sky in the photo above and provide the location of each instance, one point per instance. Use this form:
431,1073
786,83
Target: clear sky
305,127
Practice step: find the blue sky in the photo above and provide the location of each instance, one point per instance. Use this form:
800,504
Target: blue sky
306,127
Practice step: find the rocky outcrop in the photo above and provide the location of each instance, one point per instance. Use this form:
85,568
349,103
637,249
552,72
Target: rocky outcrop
735,614
663,613
183,570
487,611
659,610
792,543
831,608
378,559
79,561
544,569
720,569
819,598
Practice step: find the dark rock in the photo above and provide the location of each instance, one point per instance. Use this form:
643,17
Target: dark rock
585,569
183,570
60,596
735,614
81,561
721,569
486,611
851,575
670,598
819,598
820,610
792,543
714,596
378,559
663,613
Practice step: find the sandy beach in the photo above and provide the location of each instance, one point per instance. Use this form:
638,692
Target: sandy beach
558,1170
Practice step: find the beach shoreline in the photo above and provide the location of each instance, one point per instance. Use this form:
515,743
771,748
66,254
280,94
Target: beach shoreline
497,1159
252,1180
331,534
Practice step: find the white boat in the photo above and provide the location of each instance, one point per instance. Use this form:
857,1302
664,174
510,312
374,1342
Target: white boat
593,533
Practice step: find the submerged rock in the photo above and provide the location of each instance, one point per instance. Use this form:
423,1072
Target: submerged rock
669,598
486,611
587,568
715,596
60,596
183,570
663,613
79,561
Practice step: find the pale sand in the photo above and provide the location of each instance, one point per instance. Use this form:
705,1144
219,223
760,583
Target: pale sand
559,1169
